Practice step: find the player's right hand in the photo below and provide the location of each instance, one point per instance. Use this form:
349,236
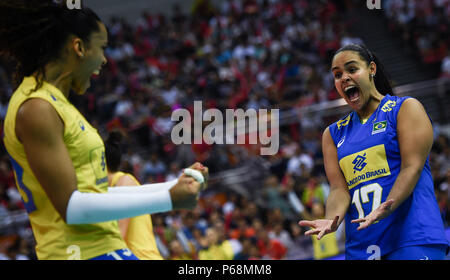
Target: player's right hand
320,227
185,193
204,170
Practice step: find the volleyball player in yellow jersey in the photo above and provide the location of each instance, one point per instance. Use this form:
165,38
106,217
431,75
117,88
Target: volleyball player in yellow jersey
137,231
58,157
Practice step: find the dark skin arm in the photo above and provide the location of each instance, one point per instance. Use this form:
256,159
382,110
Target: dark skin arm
40,129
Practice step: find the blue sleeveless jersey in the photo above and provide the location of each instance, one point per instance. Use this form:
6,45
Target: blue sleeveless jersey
369,158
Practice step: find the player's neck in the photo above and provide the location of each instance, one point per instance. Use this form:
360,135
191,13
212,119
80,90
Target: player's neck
59,76
372,105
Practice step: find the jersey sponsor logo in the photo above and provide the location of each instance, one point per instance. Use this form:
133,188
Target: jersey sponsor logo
379,127
359,163
343,122
54,98
81,124
341,142
388,106
365,165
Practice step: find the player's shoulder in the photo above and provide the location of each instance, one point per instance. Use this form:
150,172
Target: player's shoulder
37,114
413,109
392,103
126,179
339,124
336,129
411,103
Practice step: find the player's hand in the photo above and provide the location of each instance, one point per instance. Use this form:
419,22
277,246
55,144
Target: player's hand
185,193
380,213
205,172
320,227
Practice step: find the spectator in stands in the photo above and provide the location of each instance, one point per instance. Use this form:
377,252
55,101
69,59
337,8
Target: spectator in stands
154,169
301,164
217,249
279,233
349,38
302,246
269,248
177,252
275,196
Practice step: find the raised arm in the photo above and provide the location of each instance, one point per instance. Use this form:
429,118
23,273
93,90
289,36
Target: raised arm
156,187
40,130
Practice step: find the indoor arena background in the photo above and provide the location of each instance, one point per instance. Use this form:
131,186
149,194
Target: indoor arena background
245,54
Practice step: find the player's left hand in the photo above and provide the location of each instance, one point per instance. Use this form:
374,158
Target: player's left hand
376,215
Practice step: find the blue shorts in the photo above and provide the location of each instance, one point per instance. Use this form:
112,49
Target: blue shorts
121,254
418,252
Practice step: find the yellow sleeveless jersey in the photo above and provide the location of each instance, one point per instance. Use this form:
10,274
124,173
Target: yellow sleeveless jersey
55,239
140,238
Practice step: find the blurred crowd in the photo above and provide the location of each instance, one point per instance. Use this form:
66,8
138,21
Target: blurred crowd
424,27
258,54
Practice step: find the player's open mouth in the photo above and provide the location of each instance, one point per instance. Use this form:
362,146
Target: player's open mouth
352,93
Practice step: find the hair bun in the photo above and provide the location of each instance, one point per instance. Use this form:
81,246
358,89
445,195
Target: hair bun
114,137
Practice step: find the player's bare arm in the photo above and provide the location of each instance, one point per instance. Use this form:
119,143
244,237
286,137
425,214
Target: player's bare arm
40,129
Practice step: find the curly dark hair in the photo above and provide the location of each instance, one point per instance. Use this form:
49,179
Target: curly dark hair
33,33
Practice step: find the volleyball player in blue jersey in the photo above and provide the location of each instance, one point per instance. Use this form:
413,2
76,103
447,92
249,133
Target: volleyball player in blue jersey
376,160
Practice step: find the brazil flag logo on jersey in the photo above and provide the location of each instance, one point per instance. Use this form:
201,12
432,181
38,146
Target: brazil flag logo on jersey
379,127
365,165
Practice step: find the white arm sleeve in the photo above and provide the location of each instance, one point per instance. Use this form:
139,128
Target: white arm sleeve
147,188
90,208
197,175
